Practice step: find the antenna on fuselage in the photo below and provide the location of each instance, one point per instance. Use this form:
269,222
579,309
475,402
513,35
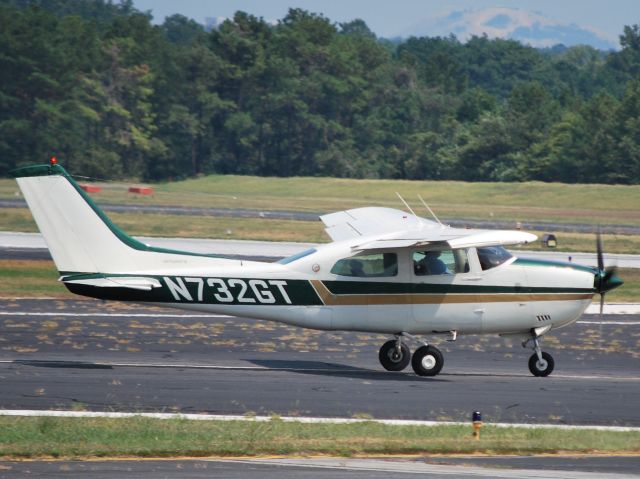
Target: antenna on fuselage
408,207
430,210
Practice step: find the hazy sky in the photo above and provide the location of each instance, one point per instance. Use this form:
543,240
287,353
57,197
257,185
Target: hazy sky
388,18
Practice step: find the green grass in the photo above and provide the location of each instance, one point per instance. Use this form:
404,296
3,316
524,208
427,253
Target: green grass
629,292
555,202
512,202
20,219
30,279
26,437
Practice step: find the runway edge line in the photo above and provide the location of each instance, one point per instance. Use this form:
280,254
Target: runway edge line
304,420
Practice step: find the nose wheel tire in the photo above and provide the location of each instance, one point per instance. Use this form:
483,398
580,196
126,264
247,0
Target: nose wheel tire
427,361
393,359
541,368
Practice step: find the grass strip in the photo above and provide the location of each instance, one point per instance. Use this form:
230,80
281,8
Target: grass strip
531,201
554,202
42,437
261,229
31,279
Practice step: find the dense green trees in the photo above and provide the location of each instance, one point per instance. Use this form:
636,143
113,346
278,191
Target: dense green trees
113,95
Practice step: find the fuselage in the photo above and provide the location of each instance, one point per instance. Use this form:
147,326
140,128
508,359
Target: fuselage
511,297
387,271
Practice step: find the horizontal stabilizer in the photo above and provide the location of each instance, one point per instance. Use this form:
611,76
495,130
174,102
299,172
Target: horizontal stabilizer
130,282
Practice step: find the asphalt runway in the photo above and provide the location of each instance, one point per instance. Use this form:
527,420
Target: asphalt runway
566,467
64,354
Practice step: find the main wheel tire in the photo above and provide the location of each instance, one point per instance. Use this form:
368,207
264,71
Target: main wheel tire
393,360
427,361
541,368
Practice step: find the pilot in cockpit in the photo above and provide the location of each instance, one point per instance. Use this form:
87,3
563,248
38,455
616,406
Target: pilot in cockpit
430,264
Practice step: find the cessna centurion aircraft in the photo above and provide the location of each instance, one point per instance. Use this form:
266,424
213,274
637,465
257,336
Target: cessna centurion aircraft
386,271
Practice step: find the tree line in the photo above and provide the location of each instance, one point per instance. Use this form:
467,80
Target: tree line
112,95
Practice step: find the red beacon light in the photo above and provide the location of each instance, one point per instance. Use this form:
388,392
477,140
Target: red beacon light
53,161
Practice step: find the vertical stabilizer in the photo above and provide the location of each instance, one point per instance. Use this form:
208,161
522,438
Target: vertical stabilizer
80,237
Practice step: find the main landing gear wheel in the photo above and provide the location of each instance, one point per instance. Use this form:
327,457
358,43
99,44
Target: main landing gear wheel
427,361
541,367
392,358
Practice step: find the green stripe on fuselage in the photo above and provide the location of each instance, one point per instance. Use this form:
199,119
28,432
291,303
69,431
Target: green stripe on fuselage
201,290
265,291
363,287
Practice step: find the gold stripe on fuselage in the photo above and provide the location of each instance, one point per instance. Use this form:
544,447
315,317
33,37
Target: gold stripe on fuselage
330,299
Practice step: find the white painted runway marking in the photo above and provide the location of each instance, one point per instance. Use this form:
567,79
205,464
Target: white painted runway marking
613,323
113,315
35,362
300,419
554,376
418,467
217,367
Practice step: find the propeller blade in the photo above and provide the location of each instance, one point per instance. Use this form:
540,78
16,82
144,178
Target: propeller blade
600,318
599,250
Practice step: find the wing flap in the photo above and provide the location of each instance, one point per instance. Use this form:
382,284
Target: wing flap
449,238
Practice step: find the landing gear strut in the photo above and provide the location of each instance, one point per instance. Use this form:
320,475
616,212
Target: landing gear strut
540,363
395,355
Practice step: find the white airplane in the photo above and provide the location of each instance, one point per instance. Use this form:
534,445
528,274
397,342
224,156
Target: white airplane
387,271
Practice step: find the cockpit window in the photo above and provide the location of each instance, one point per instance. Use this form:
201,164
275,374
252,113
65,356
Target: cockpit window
436,262
297,256
367,266
492,256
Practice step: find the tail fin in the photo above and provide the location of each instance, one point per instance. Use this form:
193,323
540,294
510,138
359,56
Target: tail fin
79,235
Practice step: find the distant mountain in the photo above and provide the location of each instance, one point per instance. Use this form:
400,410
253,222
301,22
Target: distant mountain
497,22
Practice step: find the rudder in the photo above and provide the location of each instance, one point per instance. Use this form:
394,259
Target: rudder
79,235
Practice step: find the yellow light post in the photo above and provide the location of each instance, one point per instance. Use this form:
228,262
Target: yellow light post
476,418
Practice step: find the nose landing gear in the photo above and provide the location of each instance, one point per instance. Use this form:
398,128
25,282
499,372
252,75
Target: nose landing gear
540,363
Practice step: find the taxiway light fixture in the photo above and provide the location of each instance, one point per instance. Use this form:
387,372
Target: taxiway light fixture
476,419
549,240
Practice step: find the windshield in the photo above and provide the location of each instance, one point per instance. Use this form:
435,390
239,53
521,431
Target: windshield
493,256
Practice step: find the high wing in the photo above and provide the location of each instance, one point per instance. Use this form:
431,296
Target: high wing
371,221
388,228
